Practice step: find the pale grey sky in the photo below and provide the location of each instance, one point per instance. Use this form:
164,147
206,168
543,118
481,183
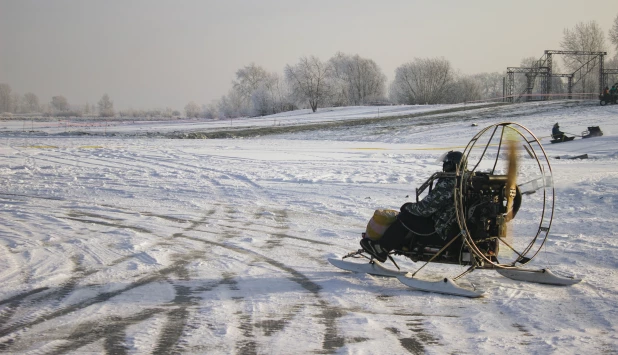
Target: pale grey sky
156,54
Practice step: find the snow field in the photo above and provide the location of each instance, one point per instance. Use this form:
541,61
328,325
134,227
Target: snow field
132,245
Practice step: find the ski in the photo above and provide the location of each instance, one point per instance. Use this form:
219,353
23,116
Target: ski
372,268
543,276
445,286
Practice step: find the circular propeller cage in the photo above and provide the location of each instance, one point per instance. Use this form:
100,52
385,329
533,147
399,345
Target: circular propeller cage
495,150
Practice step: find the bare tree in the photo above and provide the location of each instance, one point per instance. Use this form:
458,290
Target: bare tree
210,111
232,105
106,107
271,96
281,93
422,81
167,112
357,80
583,37
258,91
31,102
17,103
612,63
60,103
5,98
192,110
241,99
613,36
248,79
464,89
309,80
490,84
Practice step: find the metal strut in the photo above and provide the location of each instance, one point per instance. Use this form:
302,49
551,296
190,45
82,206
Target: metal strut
469,270
360,253
355,254
438,253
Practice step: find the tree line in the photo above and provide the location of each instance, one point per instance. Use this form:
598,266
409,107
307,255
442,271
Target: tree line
343,80
28,103
346,80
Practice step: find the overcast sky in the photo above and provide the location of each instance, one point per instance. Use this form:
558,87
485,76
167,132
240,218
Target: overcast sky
157,54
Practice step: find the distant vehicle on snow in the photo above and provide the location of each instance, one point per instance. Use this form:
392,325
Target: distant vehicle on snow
594,131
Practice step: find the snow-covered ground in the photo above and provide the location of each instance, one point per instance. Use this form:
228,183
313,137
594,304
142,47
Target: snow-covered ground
135,126
133,245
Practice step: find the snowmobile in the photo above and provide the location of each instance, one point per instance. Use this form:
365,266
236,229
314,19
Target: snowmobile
560,139
605,99
487,198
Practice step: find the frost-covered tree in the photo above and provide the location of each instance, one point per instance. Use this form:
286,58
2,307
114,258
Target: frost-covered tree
464,89
192,110
422,81
167,112
271,96
60,103
613,36
106,107
261,100
283,97
18,103
583,37
356,80
248,79
309,80
233,105
31,102
6,104
490,84
211,111
612,63
257,92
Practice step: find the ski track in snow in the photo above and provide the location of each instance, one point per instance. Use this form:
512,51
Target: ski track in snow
131,245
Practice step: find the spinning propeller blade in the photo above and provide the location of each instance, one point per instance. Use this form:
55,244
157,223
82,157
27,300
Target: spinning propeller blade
510,189
511,182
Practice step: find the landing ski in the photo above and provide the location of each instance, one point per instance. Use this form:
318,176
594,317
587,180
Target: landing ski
543,276
373,268
445,286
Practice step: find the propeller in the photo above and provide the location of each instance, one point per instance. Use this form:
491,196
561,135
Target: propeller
510,189
511,181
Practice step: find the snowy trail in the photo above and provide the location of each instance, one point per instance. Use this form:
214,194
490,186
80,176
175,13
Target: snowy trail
128,248
134,246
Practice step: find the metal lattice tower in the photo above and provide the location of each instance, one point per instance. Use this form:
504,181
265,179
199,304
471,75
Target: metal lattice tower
606,73
531,74
543,68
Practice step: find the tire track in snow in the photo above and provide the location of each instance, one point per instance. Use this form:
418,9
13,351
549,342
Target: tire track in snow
137,163
328,315
45,300
181,318
112,330
14,302
158,276
69,286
